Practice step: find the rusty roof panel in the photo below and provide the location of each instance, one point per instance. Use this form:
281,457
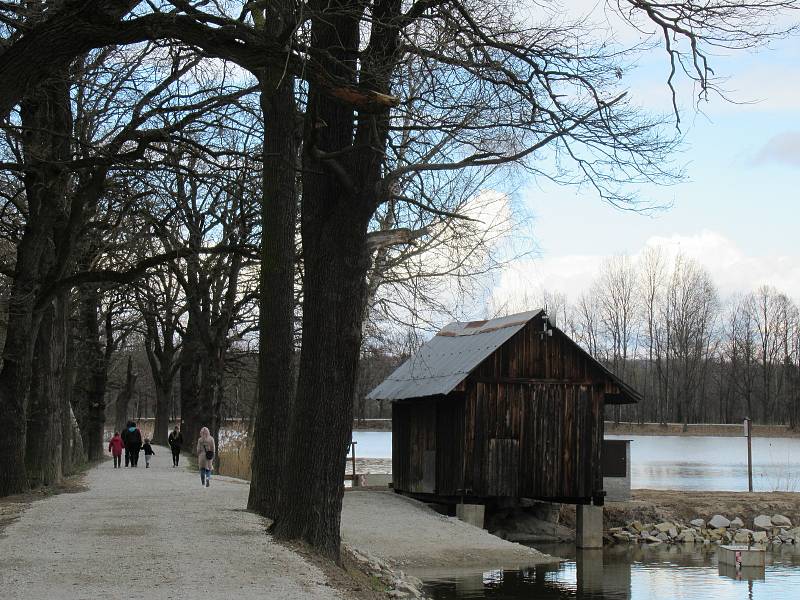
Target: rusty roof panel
446,360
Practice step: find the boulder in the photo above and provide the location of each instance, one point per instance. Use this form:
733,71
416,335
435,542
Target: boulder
763,522
636,526
742,536
699,523
781,521
665,527
759,536
652,540
663,537
687,537
777,541
737,523
673,533
718,521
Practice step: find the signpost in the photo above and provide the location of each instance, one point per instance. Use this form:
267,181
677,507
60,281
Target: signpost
748,431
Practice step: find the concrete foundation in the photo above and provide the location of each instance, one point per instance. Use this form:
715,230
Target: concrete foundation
471,513
742,556
589,526
378,479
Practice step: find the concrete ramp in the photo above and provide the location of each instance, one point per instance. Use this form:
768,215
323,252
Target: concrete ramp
410,535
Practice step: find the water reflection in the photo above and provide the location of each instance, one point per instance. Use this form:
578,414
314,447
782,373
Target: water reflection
629,573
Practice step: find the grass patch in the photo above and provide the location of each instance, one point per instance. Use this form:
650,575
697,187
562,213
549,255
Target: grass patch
234,461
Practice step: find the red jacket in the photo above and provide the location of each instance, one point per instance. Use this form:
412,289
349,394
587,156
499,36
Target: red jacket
115,446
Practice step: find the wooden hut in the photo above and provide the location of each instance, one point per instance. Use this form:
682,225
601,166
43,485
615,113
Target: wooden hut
506,408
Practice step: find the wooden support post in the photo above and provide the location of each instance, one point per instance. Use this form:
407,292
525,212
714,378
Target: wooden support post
353,450
748,431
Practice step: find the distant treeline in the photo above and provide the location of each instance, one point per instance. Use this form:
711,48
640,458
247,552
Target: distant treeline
660,324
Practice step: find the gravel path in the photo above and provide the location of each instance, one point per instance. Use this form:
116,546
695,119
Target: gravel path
411,535
150,533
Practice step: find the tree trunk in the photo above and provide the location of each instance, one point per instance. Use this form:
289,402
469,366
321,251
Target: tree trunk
124,398
189,375
163,398
334,281
339,199
72,453
91,386
47,120
44,437
276,303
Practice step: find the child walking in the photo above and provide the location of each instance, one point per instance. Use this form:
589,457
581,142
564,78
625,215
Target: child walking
115,446
148,452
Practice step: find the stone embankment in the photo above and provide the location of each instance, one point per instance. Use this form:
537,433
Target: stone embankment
398,583
776,529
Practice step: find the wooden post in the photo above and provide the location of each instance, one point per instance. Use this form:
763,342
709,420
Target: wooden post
748,432
353,449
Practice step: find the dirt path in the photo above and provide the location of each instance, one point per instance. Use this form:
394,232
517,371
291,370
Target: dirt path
150,533
410,535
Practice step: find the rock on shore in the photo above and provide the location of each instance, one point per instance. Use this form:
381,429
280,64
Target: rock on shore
775,529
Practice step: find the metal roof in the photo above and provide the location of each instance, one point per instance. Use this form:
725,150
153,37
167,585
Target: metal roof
446,360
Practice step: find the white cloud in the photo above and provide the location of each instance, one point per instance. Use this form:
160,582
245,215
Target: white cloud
731,269
783,148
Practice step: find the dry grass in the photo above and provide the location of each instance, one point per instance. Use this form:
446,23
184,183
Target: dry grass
234,461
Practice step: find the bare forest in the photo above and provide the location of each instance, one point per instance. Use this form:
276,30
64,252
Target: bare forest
660,322
215,208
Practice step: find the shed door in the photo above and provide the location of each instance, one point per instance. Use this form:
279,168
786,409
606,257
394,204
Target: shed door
502,469
429,472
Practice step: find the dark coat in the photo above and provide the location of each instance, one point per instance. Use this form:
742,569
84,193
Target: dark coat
148,449
175,441
132,439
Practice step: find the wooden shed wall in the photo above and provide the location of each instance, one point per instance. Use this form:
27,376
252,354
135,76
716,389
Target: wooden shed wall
534,440
531,355
428,444
527,422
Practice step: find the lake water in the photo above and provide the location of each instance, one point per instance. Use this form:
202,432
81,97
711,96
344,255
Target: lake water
628,573
679,463
631,572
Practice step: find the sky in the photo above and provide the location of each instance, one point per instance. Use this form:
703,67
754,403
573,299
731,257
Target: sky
737,212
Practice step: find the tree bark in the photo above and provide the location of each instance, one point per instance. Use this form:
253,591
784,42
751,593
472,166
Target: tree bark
339,199
47,121
91,385
163,398
124,398
44,436
191,356
276,302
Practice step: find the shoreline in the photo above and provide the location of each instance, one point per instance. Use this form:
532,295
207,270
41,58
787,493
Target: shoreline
656,506
699,429
654,429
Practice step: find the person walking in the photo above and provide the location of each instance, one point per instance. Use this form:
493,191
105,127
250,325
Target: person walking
175,440
125,435
148,452
115,446
205,456
133,443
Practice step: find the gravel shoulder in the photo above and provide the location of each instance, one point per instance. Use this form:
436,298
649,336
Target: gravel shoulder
151,533
412,536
